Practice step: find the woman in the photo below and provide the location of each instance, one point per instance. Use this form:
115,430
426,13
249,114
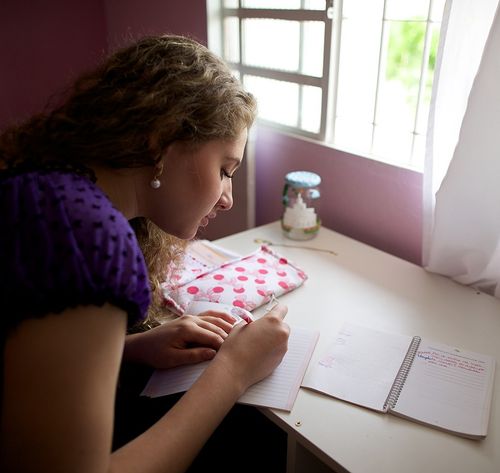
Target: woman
152,137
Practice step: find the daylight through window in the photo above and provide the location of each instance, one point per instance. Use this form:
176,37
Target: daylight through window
357,74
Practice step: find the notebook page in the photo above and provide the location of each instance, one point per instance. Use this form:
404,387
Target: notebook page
449,388
359,366
278,391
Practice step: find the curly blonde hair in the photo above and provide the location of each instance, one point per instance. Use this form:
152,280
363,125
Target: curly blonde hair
126,112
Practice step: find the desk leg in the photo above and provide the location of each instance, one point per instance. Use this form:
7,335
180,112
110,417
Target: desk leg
291,451
300,460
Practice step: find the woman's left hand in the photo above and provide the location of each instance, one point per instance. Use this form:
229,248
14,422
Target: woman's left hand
185,340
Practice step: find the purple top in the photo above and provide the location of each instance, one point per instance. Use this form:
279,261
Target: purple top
63,244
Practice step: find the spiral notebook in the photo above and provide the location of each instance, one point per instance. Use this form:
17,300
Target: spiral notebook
427,382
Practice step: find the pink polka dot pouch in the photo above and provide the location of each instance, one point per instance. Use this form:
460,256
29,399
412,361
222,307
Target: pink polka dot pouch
247,282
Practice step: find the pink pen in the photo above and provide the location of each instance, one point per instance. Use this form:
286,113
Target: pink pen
273,302
242,314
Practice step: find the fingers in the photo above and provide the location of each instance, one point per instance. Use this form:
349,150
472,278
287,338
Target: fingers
279,310
203,333
211,323
194,355
221,328
225,324
218,315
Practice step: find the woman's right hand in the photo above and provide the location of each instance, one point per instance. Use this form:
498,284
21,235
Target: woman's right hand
252,351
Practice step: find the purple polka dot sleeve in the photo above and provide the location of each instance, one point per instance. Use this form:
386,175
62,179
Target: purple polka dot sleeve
63,244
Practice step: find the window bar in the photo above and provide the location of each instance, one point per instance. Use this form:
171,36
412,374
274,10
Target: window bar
240,45
327,44
222,33
282,75
277,14
423,79
334,81
379,73
300,121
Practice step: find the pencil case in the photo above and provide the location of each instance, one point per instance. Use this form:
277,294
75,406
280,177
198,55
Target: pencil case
247,282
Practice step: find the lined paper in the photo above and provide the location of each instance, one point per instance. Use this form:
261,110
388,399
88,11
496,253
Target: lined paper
450,388
359,366
277,391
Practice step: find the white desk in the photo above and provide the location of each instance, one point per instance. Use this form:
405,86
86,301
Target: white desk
372,288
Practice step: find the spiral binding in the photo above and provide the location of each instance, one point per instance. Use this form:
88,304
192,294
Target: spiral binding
400,380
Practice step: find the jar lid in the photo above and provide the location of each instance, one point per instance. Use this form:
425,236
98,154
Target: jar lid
302,179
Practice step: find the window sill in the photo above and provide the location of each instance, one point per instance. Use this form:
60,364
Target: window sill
285,131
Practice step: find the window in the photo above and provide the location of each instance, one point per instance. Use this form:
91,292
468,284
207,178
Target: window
357,74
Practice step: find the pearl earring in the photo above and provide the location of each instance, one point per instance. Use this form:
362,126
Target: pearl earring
155,183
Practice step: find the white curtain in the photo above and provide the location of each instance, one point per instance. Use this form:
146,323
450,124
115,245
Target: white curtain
462,172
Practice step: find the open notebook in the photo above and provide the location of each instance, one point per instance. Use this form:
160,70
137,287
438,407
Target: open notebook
278,391
412,377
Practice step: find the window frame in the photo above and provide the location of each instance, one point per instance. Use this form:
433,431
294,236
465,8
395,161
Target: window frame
299,78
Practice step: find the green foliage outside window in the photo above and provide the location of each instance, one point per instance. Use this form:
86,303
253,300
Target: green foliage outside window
404,57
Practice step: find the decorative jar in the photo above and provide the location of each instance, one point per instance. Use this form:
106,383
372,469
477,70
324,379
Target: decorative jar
301,196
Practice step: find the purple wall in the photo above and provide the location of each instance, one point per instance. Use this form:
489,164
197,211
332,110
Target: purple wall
373,202
135,18
43,46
